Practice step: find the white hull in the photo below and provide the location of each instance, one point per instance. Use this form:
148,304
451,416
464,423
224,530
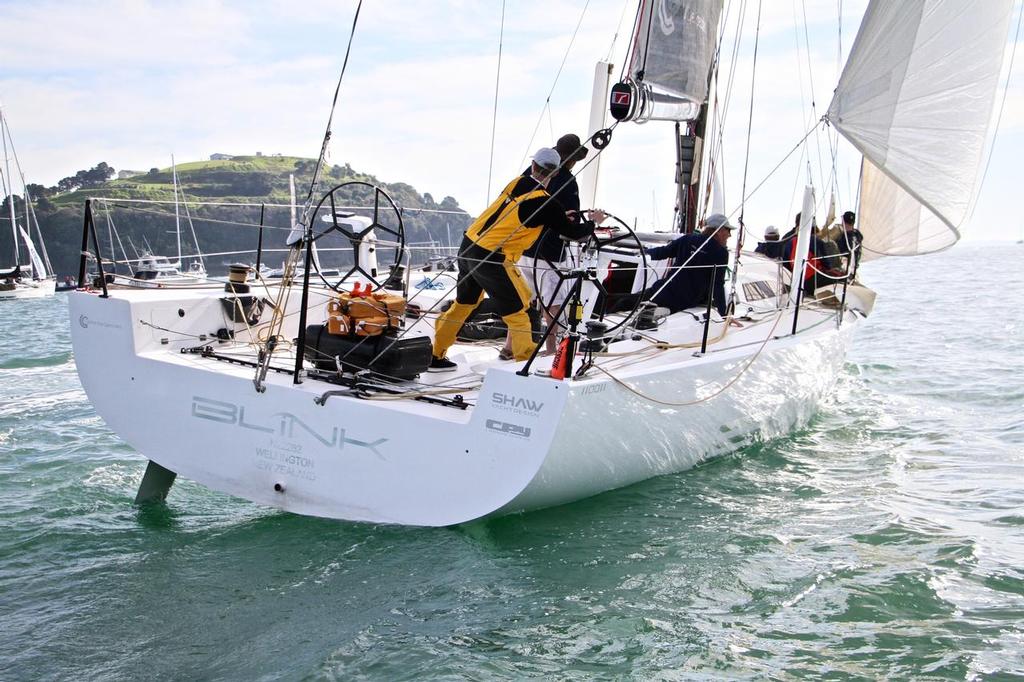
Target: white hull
31,289
528,442
609,437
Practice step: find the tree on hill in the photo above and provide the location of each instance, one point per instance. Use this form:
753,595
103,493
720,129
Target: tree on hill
37,191
84,179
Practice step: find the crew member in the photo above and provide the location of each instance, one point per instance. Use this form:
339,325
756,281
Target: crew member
771,247
850,240
816,268
688,282
490,249
549,250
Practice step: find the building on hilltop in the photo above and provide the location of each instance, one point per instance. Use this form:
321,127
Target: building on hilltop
121,175
221,157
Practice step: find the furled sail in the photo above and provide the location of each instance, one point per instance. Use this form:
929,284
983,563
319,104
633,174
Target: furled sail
38,269
672,54
916,99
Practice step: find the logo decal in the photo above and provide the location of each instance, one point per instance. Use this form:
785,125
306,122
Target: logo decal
84,322
281,424
523,407
621,98
509,429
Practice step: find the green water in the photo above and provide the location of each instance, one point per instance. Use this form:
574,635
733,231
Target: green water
883,541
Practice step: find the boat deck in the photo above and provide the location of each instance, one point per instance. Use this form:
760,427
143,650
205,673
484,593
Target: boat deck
185,327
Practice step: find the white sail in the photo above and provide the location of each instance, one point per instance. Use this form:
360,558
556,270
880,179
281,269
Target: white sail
672,54
916,100
38,269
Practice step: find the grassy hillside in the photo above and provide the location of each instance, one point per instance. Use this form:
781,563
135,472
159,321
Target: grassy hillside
254,180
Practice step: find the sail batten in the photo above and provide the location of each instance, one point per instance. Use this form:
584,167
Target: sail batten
916,99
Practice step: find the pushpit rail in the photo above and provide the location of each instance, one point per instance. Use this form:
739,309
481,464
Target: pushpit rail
89,229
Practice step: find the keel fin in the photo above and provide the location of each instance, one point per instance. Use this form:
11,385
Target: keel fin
156,483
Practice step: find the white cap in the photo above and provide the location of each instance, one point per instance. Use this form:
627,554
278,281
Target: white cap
547,158
718,220
771,231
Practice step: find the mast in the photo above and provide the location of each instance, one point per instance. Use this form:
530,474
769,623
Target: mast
587,177
4,133
177,217
689,170
291,194
31,218
668,78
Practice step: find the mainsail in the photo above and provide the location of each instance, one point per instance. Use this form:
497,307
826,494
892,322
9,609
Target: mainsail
672,54
916,99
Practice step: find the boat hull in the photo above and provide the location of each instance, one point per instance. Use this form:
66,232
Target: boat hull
670,420
349,459
528,442
40,289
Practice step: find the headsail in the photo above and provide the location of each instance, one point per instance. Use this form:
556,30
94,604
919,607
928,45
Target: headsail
915,99
38,269
673,50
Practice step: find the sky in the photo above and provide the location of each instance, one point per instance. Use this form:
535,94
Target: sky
131,82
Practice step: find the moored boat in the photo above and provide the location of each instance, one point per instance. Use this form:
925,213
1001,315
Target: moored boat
34,279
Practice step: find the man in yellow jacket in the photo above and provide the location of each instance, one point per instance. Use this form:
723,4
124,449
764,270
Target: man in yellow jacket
490,249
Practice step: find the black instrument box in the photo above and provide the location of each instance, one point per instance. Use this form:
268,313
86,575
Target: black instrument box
400,358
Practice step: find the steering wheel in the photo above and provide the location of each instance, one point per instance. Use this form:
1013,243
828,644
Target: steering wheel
597,243
328,211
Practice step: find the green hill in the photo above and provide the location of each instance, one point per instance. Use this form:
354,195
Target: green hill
247,183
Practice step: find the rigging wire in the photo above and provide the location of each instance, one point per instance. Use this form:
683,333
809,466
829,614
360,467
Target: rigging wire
627,61
277,319
558,74
810,81
746,158
618,29
192,228
715,152
647,43
805,159
494,117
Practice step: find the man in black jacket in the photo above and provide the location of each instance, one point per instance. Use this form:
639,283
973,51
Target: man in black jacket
772,246
697,271
850,240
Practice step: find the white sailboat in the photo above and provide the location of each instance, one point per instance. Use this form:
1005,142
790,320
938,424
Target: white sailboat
272,406
34,279
150,271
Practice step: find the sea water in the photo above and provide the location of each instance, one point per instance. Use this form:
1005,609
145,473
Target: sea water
885,539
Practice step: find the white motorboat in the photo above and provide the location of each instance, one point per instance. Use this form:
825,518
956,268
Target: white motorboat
149,271
263,391
34,279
